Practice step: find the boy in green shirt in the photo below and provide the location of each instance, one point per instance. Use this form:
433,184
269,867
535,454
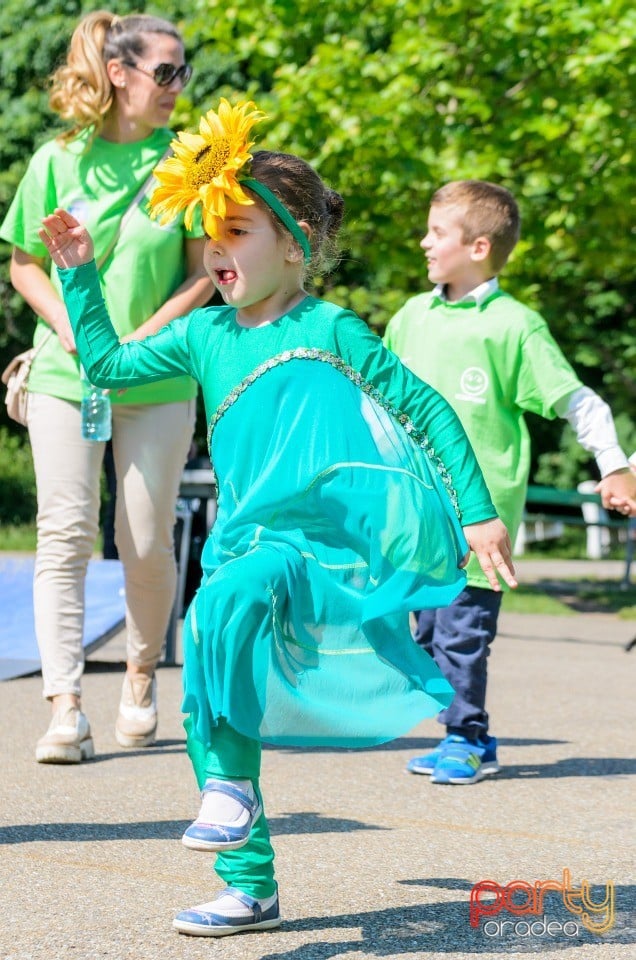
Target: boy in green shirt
493,359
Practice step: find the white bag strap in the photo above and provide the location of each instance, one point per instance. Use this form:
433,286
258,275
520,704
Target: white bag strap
129,212
37,349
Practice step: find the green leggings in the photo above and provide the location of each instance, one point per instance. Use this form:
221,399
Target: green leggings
231,756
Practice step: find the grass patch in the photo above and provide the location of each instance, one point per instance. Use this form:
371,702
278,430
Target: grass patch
608,597
529,599
22,538
571,545
18,538
566,597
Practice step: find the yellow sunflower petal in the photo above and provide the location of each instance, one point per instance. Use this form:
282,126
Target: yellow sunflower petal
189,214
213,200
211,225
210,125
205,166
189,141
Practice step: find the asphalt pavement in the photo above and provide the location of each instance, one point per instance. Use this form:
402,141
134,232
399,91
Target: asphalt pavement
371,861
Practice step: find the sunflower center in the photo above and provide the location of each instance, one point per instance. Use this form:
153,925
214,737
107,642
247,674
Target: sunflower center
208,163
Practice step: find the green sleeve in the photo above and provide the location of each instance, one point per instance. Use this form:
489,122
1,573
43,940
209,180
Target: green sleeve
425,407
387,339
390,338
34,198
107,362
545,376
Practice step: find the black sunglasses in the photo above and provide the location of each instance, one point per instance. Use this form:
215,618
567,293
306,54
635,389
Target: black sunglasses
164,73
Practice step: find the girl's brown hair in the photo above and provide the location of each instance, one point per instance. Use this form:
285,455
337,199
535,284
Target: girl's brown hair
300,189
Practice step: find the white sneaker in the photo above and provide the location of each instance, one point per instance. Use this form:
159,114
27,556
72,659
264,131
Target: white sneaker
137,719
68,739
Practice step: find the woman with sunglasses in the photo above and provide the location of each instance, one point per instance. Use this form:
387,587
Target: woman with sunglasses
117,91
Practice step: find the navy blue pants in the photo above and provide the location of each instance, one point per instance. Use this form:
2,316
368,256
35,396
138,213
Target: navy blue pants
458,638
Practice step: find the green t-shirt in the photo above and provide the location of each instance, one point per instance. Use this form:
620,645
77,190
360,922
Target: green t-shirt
146,266
492,363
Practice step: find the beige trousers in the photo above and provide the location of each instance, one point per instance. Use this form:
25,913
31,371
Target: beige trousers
150,446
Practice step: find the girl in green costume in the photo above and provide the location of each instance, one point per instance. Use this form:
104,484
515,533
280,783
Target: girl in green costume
348,495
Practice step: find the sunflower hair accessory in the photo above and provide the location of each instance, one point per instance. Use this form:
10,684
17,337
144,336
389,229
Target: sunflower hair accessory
212,167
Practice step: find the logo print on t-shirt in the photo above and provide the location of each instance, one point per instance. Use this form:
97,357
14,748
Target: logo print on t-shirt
78,208
472,384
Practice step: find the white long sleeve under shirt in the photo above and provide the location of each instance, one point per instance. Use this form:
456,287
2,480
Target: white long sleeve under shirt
592,421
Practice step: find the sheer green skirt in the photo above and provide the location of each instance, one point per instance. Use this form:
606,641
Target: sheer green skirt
334,521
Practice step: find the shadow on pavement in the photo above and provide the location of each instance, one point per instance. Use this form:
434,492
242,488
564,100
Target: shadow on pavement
443,928
286,825
571,767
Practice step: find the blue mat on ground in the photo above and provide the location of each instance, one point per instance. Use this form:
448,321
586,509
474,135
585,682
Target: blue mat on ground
105,610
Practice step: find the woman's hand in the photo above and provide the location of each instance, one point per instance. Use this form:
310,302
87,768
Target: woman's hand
490,543
67,241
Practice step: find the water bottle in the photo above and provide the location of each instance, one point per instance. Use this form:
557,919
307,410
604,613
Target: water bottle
96,412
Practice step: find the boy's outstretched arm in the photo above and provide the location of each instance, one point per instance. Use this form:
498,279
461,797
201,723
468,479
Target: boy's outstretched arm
67,241
490,542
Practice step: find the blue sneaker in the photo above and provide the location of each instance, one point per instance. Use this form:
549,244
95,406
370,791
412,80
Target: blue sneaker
225,819
427,763
232,912
466,761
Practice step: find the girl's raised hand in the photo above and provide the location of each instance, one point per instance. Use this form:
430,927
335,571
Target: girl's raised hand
68,242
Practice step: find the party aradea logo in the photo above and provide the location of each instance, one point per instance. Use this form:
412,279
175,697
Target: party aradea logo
526,905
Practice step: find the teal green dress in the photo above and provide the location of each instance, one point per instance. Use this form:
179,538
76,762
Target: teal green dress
343,485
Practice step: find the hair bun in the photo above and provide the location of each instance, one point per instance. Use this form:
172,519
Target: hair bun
335,211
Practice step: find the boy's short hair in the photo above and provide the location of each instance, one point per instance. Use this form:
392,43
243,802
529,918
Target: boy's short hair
490,211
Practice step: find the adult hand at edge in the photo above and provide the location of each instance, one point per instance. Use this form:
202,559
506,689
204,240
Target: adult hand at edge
618,491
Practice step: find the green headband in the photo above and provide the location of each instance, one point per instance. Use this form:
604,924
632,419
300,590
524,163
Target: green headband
281,212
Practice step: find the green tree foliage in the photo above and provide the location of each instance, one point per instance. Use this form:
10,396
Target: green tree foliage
17,483
391,98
